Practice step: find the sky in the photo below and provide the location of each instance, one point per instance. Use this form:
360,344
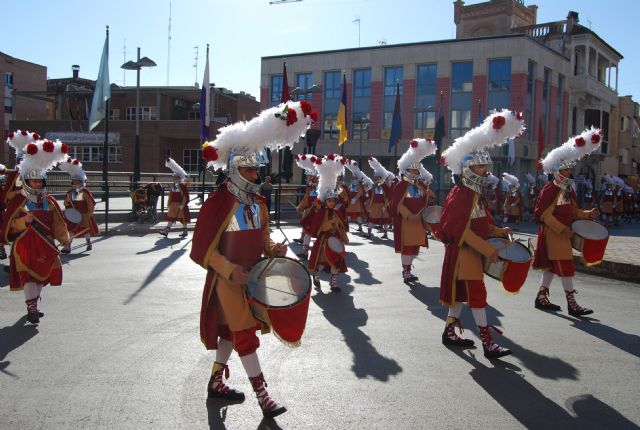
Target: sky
60,33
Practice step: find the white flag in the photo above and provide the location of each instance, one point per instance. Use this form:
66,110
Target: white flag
102,92
512,152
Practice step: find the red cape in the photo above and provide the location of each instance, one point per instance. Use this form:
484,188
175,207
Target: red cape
212,221
93,227
398,192
317,217
454,222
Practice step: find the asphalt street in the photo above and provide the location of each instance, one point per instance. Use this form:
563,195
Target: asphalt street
119,348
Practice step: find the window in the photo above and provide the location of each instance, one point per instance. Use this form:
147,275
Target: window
190,160
146,113
559,110
304,82
194,115
425,120
531,85
167,153
461,77
460,122
361,122
276,90
332,84
392,76
115,154
362,83
93,154
8,79
8,105
330,131
427,74
500,75
114,114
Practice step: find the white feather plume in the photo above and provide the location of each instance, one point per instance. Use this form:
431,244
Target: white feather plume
482,137
618,182
19,140
307,163
264,131
73,168
493,179
510,179
353,167
378,169
41,160
175,168
418,149
425,175
530,178
328,172
572,150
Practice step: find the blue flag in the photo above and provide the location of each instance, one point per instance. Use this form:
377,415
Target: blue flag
396,124
205,100
102,92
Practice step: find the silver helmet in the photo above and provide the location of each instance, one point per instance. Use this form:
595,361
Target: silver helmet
471,180
239,186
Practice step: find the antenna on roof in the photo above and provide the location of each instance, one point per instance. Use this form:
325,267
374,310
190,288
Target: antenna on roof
195,64
124,60
169,45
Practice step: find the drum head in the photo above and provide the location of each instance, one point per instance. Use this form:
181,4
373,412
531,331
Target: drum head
590,229
515,252
335,245
432,214
72,215
284,283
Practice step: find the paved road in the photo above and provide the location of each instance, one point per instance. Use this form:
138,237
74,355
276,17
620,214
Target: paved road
119,348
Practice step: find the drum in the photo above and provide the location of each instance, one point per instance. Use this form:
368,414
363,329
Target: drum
334,250
513,267
432,214
73,218
591,239
279,290
36,252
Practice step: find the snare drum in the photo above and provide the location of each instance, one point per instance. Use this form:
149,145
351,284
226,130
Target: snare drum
334,250
432,214
591,239
279,289
73,217
513,267
36,253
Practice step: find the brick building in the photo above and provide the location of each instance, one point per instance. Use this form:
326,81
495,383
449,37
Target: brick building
501,58
25,76
169,122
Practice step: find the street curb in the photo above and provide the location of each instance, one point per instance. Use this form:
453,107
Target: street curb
610,269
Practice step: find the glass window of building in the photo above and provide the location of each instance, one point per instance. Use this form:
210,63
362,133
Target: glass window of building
190,160
392,77
559,102
275,90
362,83
545,103
331,104
499,94
462,77
361,104
304,82
460,122
8,79
426,82
332,83
360,126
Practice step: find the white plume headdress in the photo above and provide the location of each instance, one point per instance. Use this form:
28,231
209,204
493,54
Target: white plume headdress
175,168
571,151
19,140
353,167
378,169
493,179
273,128
425,175
307,163
530,178
73,168
40,157
329,169
494,131
418,149
511,180
618,182
366,181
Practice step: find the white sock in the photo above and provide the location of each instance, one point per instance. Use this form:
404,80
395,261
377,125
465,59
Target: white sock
251,365
455,310
547,277
225,347
480,315
334,270
87,237
567,283
31,290
39,289
306,240
169,225
406,259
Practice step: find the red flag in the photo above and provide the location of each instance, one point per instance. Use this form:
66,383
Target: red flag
285,84
540,139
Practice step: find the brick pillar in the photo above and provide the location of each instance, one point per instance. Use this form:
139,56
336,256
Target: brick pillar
376,110
537,109
316,102
518,92
553,94
443,86
408,103
264,98
479,93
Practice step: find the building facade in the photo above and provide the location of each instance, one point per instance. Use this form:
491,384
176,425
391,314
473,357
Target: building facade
562,76
20,75
628,132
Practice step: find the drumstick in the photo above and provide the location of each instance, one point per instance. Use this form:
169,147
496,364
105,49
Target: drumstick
269,263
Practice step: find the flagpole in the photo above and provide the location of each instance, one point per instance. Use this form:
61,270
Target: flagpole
204,166
105,158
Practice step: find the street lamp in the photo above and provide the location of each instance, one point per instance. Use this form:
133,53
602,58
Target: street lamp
137,65
363,124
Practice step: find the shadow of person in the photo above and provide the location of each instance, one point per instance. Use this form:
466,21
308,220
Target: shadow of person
161,243
361,267
527,404
592,411
12,337
340,311
268,424
627,342
217,413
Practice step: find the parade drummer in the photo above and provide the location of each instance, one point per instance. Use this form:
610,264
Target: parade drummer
587,200
513,202
306,162
355,210
326,222
178,207
532,194
607,200
79,197
556,209
407,204
231,235
465,226
32,220
379,198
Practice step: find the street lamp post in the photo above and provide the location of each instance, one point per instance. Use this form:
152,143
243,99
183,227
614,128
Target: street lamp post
137,65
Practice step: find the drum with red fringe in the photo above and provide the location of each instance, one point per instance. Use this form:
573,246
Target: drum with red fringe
279,290
591,239
334,250
72,218
36,253
514,264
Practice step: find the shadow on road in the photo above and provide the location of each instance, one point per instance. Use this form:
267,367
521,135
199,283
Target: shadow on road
341,312
160,267
160,244
361,267
629,343
531,408
12,337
